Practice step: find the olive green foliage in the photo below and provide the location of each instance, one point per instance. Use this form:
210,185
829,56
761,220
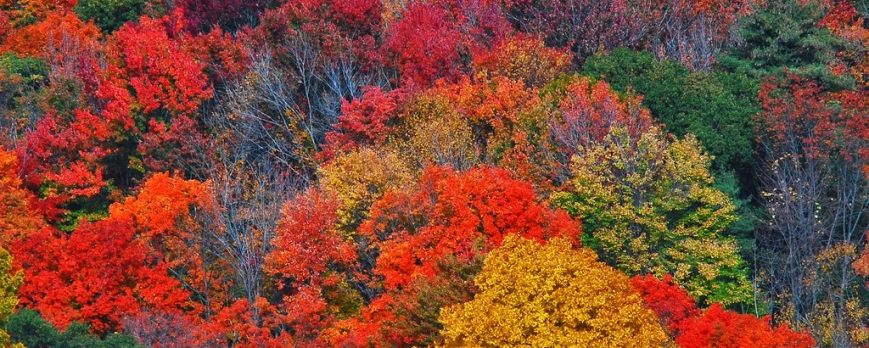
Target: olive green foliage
9,283
28,327
19,77
109,15
862,6
784,37
648,206
32,71
27,92
716,107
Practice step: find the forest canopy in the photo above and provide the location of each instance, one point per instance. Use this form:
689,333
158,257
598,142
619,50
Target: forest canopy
407,173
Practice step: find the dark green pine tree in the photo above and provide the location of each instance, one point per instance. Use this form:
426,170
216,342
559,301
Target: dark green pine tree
784,38
28,327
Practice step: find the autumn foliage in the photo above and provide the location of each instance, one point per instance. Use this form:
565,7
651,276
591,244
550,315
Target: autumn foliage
409,173
459,214
551,295
56,32
715,326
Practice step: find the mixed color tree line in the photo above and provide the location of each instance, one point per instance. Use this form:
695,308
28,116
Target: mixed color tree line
404,173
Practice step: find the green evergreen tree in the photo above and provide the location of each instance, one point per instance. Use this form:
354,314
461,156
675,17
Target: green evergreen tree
29,328
784,37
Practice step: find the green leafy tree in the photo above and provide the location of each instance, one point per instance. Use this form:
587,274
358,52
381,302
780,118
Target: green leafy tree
649,207
109,15
28,328
21,80
716,107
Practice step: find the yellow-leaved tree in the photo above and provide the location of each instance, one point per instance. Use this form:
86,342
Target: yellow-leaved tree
550,296
359,178
648,206
9,283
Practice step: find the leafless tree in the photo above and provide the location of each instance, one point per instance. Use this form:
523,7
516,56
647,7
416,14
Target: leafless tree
817,196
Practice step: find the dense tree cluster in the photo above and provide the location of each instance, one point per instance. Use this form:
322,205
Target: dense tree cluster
355,173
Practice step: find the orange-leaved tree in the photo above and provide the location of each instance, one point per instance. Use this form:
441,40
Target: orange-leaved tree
459,214
419,249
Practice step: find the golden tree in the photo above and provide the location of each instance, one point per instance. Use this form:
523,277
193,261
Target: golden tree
360,178
9,283
551,296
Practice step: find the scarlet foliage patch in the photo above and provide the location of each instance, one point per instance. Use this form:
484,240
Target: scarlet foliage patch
98,274
308,250
460,214
149,69
68,153
366,121
421,62
714,327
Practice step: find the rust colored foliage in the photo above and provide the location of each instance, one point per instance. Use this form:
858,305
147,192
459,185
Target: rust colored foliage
17,218
524,57
56,30
5,25
460,214
715,326
843,20
798,112
590,109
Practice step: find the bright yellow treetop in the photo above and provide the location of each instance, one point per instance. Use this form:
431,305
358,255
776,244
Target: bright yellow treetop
550,296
